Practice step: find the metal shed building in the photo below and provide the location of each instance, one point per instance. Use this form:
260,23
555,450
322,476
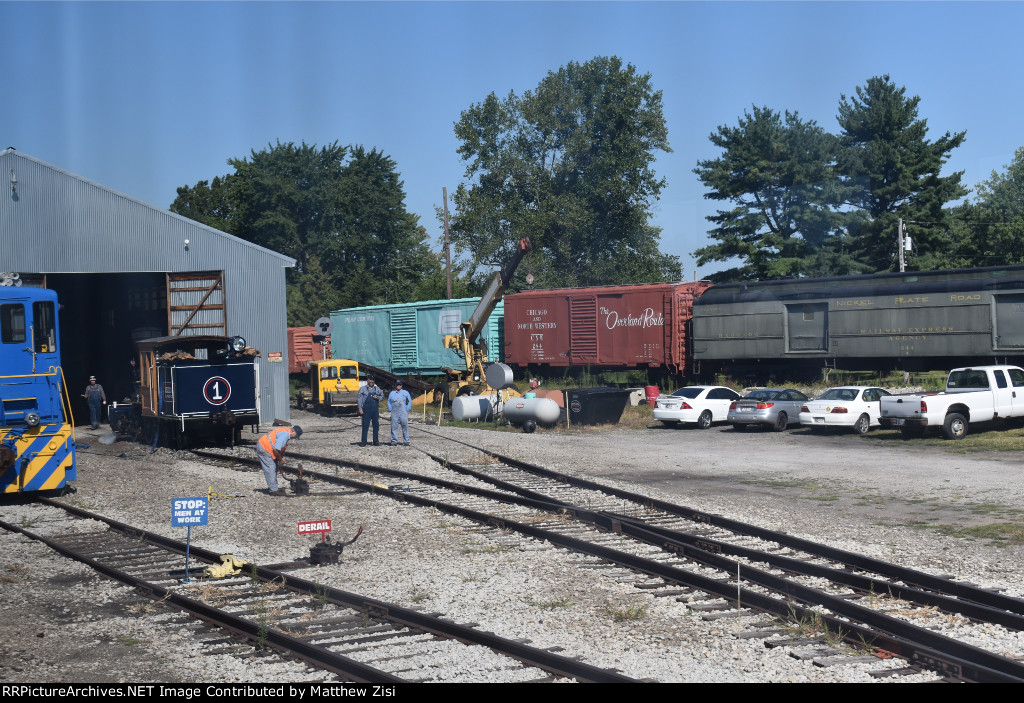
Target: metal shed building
125,270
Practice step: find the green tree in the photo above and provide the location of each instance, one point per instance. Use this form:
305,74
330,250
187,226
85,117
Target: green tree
338,211
207,202
313,295
891,170
990,231
777,172
570,165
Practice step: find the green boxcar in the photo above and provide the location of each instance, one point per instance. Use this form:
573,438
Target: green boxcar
408,338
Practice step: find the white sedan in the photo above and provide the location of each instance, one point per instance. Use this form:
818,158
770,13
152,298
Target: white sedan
855,407
700,404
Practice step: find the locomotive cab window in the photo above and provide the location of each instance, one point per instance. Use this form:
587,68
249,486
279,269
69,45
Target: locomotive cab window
328,372
44,329
12,323
347,372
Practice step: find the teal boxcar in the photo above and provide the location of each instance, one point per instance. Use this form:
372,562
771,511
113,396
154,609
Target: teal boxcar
408,338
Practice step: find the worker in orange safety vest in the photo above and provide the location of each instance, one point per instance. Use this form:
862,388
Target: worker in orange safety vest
270,451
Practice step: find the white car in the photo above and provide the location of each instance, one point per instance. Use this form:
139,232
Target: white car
855,407
700,404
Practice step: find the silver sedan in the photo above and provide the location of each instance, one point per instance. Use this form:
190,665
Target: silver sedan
774,407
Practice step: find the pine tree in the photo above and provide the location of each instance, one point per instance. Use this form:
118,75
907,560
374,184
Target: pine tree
891,170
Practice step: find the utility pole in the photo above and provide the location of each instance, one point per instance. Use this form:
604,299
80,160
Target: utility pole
899,246
447,248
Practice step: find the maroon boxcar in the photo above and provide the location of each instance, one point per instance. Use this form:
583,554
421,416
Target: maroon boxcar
302,349
604,326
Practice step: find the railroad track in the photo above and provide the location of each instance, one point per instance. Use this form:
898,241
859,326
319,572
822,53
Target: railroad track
349,636
843,594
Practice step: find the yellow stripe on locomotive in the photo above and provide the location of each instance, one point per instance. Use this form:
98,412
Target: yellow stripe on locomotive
36,458
37,432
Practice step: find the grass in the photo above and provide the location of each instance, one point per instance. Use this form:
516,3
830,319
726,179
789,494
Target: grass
15,573
551,604
490,549
997,534
634,610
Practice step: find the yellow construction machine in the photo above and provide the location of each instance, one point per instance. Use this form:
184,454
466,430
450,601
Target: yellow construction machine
472,379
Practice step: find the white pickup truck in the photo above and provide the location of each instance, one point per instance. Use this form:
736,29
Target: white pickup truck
974,394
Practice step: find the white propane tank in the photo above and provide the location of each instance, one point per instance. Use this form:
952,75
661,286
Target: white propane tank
474,407
543,410
499,376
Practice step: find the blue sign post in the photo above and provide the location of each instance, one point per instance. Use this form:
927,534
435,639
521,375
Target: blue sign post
186,512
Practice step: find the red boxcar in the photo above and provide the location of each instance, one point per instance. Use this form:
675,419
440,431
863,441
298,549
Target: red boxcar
607,326
302,349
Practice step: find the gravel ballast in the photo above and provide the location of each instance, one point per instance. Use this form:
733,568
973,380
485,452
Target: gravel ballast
884,499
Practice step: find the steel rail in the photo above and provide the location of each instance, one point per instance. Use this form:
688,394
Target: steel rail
532,656
318,656
865,584
655,535
904,574
916,644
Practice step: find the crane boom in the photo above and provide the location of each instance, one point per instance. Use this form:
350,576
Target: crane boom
495,291
468,343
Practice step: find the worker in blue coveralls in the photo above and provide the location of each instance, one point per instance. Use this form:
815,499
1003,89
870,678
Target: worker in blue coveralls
369,399
97,399
399,402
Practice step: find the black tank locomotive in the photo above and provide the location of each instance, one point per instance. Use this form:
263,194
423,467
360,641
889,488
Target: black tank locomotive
192,389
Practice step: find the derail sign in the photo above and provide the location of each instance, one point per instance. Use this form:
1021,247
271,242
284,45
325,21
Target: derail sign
314,526
188,512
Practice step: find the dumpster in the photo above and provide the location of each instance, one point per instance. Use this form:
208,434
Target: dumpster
596,406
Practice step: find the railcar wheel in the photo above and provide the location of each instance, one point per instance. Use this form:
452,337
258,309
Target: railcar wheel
955,426
862,425
781,423
704,421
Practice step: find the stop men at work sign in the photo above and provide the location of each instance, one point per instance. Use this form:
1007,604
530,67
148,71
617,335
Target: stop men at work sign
189,512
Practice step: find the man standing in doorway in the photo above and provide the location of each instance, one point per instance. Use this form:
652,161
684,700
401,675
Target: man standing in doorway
96,398
270,451
369,407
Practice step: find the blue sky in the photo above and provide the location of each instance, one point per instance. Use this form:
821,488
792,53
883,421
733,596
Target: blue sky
146,97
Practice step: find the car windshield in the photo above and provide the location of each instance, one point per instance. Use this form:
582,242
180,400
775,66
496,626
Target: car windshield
763,395
688,392
839,394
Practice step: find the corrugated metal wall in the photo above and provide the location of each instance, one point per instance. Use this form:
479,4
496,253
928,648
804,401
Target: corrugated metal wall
57,222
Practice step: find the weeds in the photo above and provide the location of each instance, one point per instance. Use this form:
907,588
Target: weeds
550,604
635,610
490,549
16,573
319,596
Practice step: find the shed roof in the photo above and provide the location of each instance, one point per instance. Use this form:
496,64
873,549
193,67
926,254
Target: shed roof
56,203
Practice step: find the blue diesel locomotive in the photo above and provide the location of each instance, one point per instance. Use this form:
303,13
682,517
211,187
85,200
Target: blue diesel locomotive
37,433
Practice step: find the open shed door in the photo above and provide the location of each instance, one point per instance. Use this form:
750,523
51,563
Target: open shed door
195,303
